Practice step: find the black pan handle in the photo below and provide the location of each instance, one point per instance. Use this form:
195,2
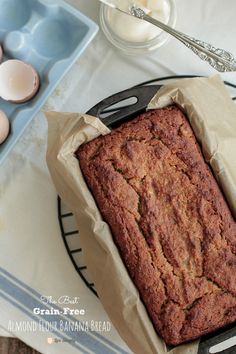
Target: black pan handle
143,95
208,343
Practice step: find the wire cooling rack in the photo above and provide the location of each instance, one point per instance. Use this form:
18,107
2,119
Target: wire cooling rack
70,236
69,230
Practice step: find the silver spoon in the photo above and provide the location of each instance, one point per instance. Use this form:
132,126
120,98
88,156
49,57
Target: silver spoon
219,59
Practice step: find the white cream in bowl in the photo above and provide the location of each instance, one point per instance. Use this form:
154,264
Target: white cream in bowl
135,30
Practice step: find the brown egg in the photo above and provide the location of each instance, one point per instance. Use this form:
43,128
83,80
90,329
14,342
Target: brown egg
4,127
19,81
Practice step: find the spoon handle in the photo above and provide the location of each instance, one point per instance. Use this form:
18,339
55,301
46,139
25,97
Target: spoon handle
219,59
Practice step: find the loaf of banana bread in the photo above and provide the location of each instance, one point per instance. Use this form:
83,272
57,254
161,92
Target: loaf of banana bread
169,219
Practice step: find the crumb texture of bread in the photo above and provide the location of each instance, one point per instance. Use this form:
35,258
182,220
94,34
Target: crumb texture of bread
169,219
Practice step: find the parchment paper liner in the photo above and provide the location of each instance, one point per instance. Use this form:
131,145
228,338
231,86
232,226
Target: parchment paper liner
213,118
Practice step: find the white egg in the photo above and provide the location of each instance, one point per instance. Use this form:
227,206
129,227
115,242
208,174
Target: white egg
4,127
19,81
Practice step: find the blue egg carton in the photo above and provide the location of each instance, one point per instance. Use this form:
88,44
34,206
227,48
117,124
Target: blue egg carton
48,34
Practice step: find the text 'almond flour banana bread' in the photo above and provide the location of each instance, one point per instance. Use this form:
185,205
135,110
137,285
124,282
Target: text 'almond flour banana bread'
169,219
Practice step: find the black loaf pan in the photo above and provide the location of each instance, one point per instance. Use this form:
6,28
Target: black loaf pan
113,111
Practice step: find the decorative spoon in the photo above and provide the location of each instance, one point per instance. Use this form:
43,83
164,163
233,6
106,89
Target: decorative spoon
219,59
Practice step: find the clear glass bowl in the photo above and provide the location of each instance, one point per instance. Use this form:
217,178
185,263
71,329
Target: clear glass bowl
129,47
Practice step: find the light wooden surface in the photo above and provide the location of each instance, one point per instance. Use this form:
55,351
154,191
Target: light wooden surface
15,346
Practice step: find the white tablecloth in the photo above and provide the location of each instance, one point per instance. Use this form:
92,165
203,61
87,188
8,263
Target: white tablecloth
33,258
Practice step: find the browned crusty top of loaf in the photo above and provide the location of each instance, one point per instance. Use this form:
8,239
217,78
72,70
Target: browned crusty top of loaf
169,219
